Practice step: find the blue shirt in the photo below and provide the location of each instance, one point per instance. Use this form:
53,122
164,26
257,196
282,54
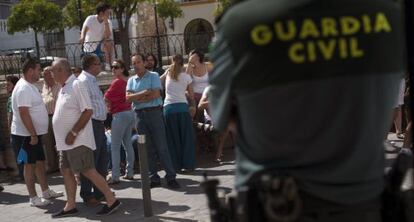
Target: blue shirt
150,80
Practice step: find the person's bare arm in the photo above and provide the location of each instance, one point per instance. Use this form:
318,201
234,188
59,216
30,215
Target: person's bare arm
151,95
79,125
203,104
191,101
163,77
107,32
139,96
85,29
27,122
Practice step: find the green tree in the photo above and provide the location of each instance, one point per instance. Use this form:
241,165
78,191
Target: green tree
168,9
71,15
39,15
122,9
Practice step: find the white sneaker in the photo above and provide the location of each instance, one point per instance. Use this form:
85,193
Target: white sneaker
51,194
38,202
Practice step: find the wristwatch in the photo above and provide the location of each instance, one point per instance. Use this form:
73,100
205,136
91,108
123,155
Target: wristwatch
74,133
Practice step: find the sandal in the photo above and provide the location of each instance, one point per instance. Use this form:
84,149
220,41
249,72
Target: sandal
400,135
219,159
112,181
128,177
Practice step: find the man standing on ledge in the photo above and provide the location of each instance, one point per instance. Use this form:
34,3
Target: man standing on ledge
143,90
96,34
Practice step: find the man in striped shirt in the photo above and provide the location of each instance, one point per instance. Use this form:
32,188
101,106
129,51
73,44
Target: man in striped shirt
91,66
50,93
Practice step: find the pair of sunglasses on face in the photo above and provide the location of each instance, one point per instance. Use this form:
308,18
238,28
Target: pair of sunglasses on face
115,67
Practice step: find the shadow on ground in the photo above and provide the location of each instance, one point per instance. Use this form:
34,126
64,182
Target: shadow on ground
129,210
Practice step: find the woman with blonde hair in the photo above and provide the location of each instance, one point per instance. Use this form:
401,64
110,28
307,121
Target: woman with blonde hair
178,115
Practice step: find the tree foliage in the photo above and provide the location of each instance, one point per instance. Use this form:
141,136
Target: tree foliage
71,14
39,15
222,5
169,8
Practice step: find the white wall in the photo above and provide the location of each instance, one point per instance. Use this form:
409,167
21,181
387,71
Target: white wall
191,12
17,40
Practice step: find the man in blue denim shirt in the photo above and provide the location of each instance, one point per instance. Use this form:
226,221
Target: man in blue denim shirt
143,90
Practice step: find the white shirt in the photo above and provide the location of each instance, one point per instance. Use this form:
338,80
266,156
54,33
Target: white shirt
200,83
175,90
95,33
96,96
73,99
26,94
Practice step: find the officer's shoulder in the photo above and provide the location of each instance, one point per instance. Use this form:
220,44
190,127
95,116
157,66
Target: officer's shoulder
250,12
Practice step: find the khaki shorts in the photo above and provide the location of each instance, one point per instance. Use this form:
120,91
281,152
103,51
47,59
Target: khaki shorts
77,159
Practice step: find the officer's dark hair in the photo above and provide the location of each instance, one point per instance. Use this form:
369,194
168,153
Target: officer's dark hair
153,57
89,60
102,7
30,63
140,55
199,53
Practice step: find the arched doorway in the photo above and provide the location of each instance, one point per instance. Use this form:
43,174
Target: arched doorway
198,34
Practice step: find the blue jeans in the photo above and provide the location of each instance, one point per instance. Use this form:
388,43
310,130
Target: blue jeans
151,124
108,147
121,130
101,162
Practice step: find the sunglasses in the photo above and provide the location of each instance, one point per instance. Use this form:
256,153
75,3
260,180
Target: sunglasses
115,67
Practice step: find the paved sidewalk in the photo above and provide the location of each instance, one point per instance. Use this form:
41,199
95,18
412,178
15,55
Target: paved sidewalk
186,204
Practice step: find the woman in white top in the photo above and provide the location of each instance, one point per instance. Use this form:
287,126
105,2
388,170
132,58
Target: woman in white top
198,70
178,120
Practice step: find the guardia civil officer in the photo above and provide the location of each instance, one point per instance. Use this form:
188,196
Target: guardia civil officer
310,88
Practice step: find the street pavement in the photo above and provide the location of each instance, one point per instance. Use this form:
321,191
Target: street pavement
184,205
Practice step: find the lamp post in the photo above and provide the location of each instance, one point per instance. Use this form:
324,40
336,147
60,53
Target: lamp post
158,35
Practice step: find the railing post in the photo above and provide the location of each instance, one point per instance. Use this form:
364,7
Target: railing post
145,184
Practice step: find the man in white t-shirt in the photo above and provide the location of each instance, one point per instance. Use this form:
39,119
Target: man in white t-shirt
30,122
96,33
75,141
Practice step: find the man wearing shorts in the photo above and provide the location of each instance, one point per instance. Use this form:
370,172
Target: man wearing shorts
75,140
30,122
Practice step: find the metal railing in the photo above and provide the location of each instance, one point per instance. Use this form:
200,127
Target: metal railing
11,60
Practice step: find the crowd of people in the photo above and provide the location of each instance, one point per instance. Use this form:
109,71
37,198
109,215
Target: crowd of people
89,135
66,127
